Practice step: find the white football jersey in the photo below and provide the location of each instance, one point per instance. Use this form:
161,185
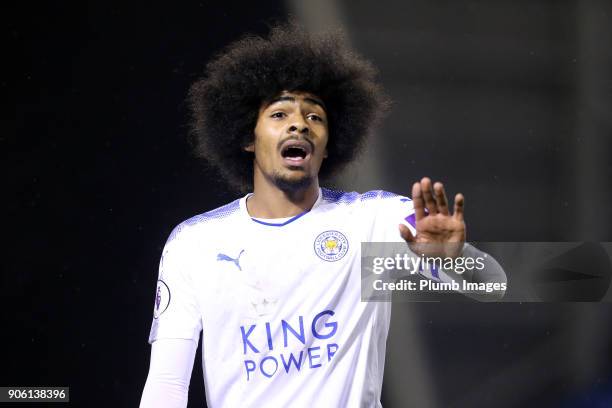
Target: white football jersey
279,303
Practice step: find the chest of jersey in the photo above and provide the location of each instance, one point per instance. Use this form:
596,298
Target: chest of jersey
282,292
276,266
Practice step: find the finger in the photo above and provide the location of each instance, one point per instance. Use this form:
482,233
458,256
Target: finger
430,203
417,201
440,196
459,204
405,233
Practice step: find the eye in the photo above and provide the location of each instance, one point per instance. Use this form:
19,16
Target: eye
278,115
314,116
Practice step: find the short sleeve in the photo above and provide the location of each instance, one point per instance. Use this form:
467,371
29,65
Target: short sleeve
176,313
391,211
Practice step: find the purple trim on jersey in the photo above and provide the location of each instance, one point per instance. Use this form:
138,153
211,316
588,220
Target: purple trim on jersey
270,224
387,194
369,195
411,219
434,272
174,233
339,197
217,213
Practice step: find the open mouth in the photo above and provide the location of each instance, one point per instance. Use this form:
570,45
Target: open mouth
295,152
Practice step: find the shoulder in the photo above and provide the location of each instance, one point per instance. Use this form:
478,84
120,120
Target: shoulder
377,205
374,198
205,224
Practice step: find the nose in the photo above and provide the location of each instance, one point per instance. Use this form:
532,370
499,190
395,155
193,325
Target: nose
299,126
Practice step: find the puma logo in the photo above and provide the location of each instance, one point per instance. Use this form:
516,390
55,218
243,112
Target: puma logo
223,257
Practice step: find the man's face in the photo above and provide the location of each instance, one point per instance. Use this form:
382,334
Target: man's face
290,140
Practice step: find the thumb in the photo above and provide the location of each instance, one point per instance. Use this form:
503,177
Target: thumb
405,233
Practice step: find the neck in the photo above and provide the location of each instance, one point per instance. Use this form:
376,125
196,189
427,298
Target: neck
269,201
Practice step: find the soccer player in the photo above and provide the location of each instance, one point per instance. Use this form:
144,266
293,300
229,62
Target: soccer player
272,280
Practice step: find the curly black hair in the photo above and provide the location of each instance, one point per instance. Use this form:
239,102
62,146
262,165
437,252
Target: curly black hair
225,102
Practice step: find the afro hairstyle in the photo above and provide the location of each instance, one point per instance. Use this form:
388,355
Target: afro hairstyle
225,102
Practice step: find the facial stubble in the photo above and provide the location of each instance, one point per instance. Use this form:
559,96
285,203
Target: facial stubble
289,185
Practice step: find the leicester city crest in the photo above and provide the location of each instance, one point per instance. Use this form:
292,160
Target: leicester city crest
331,246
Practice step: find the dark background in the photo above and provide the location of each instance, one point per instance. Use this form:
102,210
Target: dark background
509,102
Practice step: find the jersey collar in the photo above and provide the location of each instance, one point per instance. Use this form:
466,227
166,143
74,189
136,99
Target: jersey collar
273,222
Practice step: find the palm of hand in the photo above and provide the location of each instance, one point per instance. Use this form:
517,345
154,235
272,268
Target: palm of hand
440,229
438,232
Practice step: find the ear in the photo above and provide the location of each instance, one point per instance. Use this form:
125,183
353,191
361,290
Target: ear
249,148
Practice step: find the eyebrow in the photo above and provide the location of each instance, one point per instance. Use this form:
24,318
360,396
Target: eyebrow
283,98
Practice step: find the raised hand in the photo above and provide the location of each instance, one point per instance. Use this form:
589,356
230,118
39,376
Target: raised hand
438,232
